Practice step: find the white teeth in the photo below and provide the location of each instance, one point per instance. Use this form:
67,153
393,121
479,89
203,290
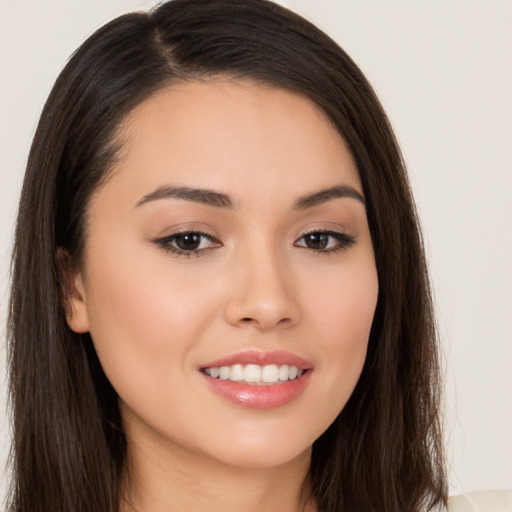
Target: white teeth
270,373
284,372
224,372
237,372
255,374
252,373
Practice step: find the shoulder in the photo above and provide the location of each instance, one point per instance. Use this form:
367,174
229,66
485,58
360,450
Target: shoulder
482,501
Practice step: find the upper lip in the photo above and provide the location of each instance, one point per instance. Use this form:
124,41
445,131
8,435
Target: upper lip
261,358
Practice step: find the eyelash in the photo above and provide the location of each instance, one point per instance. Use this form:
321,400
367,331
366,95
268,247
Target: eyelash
344,241
166,243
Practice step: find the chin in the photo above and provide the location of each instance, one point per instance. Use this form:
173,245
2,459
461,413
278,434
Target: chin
264,448
244,458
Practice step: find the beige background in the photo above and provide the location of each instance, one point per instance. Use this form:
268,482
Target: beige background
443,70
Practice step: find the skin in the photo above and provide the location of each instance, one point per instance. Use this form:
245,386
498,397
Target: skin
155,316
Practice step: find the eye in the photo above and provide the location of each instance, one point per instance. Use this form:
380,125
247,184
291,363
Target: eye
325,241
188,243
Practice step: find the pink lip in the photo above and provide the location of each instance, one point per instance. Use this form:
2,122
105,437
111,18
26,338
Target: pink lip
260,358
260,396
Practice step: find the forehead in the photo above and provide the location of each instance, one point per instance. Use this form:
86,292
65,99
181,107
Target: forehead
219,132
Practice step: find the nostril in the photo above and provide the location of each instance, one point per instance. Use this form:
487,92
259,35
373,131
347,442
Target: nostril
281,322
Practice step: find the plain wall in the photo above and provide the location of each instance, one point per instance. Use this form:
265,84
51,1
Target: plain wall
443,70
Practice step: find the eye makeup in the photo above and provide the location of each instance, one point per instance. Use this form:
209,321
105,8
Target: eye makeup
192,243
188,243
325,241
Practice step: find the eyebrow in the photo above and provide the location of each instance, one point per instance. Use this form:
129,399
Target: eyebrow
322,196
220,200
196,195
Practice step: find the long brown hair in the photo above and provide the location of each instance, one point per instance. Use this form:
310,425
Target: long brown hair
383,453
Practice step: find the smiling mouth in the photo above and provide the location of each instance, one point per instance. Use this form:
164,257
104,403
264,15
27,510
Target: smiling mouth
257,379
255,374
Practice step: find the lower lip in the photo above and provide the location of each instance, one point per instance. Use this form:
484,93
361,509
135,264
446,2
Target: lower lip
266,396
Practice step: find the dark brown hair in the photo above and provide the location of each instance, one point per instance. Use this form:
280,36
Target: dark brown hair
383,453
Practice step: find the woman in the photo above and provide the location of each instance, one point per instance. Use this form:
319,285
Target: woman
220,298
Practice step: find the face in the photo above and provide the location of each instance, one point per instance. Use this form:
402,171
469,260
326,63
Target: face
229,281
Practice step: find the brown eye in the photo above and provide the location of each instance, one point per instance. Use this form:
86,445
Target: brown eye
317,241
188,241
325,241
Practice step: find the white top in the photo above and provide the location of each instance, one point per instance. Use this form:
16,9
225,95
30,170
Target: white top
482,501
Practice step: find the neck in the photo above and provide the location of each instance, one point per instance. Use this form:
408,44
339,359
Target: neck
175,479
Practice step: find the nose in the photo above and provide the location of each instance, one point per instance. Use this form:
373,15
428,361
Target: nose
262,294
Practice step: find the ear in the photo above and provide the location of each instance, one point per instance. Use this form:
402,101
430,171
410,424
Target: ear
73,293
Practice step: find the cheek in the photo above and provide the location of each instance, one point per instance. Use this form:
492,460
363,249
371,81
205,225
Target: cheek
343,304
343,314
144,319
